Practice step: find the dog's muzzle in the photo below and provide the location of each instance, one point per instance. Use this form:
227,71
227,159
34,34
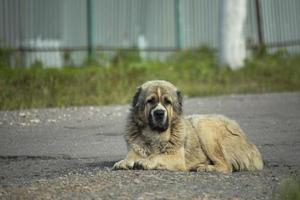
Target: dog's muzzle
159,115
159,119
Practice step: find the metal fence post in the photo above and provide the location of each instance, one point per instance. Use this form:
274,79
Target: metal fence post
178,23
259,24
91,27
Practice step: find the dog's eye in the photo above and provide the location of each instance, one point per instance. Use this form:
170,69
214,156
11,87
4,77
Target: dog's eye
151,100
168,101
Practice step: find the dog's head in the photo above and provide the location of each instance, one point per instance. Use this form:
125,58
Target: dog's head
156,104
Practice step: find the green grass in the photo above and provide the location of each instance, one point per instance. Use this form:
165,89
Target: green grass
196,73
288,190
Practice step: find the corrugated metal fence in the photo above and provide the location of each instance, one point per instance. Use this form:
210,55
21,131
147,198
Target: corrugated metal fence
46,29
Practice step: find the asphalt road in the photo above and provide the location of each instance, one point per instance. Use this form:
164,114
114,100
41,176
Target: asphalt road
68,153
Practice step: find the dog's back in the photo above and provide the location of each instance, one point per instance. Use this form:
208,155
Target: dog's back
224,143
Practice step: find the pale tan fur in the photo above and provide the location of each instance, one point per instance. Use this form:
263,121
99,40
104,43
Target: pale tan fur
191,143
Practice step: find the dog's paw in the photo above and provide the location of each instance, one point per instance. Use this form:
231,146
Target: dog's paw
144,164
202,168
212,168
123,165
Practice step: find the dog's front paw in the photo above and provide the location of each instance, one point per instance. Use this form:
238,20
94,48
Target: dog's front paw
123,164
145,164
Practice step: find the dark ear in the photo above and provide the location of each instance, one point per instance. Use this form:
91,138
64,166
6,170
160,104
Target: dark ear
179,100
179,97
136,97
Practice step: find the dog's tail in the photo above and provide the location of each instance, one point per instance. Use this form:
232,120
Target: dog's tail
239,152
245,158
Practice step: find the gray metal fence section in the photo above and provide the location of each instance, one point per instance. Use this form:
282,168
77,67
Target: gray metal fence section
46,29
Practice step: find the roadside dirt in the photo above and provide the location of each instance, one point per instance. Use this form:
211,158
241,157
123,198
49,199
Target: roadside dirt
68,153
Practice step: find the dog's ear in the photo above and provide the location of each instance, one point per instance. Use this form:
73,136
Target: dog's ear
135,100
179,97
178,107
136,106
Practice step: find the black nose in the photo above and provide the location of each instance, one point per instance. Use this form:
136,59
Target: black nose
159,114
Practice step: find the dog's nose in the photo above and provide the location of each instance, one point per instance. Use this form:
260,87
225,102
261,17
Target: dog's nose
159,114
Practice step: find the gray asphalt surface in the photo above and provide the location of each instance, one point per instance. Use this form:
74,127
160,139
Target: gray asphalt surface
68,153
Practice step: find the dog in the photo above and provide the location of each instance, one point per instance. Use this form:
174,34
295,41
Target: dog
159,137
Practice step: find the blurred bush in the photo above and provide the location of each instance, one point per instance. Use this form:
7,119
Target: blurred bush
114,80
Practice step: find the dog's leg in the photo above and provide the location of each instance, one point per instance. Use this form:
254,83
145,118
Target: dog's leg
209,139
217,158
172,162
128,162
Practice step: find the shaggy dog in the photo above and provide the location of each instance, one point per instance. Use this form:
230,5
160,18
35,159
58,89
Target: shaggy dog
159,137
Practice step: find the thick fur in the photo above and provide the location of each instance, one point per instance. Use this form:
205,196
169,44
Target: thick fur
191,143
